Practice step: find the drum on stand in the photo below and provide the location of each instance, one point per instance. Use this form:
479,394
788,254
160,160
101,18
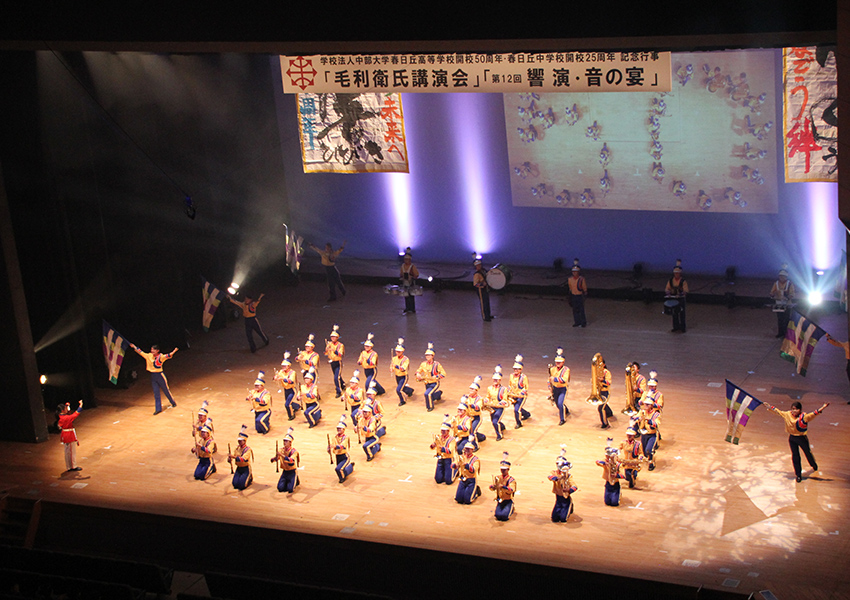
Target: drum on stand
499,276
782,306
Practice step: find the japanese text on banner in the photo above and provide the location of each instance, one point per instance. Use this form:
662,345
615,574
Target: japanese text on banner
497,73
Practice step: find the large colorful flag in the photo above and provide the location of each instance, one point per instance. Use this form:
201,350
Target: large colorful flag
212,298
352,133
293,250
800,340
739,406
114,348
810,113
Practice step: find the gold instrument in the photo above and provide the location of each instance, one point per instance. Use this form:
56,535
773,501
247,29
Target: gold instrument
596,372
631,395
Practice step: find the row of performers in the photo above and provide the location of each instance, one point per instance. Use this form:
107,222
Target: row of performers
463,466
498,397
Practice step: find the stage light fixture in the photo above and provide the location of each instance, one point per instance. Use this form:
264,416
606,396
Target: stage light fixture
819,272
43,380
234,287
815,298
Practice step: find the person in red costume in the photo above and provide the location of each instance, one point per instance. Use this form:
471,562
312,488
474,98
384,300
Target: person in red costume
68,435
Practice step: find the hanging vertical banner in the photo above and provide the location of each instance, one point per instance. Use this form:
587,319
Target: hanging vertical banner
352,133
810,114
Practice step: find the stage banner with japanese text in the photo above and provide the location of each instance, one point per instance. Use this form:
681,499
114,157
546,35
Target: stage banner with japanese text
514,72
352,133
810,114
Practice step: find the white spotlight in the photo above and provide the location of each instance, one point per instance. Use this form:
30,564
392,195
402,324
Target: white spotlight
231,290
43,379
815,298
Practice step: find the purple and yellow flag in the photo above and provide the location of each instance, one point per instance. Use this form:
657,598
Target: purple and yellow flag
739,406
800,340
212,298
114,347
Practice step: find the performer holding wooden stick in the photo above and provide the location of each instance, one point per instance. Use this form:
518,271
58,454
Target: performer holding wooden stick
518,392
505,487
497,401
430,372
287,460
444,445
400,365
204,449
339,446
563,487
335,351
559,381
288,380
611,474
243,457
469,467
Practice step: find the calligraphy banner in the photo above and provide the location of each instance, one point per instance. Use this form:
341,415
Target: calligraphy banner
352,133
478,72
810,114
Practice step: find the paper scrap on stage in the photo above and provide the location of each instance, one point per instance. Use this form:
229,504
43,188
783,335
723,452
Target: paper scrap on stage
114,348
800,340
739,406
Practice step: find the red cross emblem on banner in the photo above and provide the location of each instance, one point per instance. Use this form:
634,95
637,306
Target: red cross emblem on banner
301,72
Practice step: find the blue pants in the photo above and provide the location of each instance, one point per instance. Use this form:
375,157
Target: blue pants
291,407
445,473
336,368
370,377
473,428
520,414
371,447
484,302
204,469
504,510
334,281
432,394
242,478
605,411
560,396
496,419
160,383
262,421
631,476
612,494
577,302
287,482
401,388
355,413
463,442
312,413
563,509
647,442
252,325
797,443
344,467
467,491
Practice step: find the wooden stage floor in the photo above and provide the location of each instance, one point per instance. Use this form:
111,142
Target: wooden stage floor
728,517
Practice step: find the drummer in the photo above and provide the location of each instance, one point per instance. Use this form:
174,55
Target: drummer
408,275
578,292
675,292
783,293
479,281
